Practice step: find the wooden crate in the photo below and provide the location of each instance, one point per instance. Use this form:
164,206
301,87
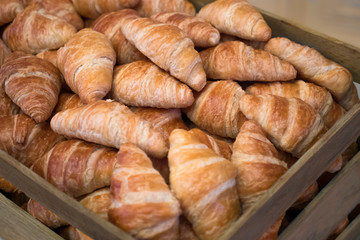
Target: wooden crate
317,221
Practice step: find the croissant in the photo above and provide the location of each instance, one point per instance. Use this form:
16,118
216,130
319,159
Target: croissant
9,9
143,84
198,30
165,121
168,47
146,8
259,167
63,9
109,24
236,17
297,123
87,62
142,203
98,201
67,101
204,183
221,148
26,140
32,83
35,30
76,167
237,61
110,124
50,56
93,9
317,97
216,108
314,67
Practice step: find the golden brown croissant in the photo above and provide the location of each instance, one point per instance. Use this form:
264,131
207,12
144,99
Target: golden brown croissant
32,83
221,148
198,30
298,126
165,121
76,167
314,67
317,97
87,62
204,183
109,24
259,167
216,108
168,47
254,44
142,203
94,8
67,101
110,124
236,17
237,61
146,8
35,30
143,84
63,9
26,140
9,9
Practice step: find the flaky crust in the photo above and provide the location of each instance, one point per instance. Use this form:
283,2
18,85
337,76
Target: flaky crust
9,9
35,30
76,167
237,61
236,17
291,124
314,67
317,97
110,124
168,47
87,62
143,84
63,9
94,8
142,203
26,140
198,30
216,108
146,8
67,101
32,83
109,24
204,183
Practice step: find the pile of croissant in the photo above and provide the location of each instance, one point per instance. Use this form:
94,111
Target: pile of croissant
136,114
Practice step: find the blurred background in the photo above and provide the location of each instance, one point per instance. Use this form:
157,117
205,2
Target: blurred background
337,18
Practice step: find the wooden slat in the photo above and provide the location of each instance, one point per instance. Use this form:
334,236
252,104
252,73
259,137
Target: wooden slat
352,232
15,223
329,207
289,187
64,206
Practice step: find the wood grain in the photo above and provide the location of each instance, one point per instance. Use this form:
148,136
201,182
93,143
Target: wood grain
305,171
64,206
15,223
352,232
329,207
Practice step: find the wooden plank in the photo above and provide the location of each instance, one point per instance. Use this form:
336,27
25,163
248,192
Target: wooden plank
64,206
334,49
289,187
352,232
329,207
15,223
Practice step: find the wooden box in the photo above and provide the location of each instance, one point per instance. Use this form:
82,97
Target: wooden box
316,221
